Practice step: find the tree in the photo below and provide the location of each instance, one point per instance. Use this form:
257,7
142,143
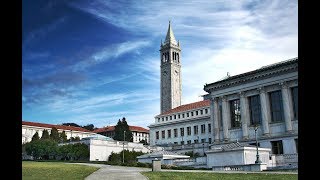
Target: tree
89,127
144,142
119,131
77,138
63,137
44,148
71,124
35,137
45,134
54,134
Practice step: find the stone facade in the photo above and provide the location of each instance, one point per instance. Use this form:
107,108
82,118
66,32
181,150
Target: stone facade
170,55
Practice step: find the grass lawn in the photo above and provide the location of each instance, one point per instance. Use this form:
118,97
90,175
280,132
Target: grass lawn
55,170
218,176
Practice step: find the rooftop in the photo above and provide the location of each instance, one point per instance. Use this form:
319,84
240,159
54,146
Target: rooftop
187,107
131,128
71,128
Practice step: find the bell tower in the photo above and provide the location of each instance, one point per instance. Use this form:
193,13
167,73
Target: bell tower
170,69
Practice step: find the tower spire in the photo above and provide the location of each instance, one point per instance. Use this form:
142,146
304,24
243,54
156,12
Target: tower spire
170,36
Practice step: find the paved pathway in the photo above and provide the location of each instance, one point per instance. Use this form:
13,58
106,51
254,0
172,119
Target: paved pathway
116,172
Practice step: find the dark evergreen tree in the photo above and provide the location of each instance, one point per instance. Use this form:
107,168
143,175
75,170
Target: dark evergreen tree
71,124
35,137
54,134
45,134
89,127
63,137
77,138
119,131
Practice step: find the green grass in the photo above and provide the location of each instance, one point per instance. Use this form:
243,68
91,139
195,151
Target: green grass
55,170
218,176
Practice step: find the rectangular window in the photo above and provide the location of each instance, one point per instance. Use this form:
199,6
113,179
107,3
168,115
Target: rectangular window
166,118
277,147
181,131
189,142
276,106
157,135
178,116
220,113
195,130
295,101
255,110
210,140
201,111
187,114
175,116
203,128
196,141
191,113
162,119
182,115
169,133
175,132
188,131
158,119
182,142
235,113
163,134
175,143
203,140
206,111
170,117
196,113
209,128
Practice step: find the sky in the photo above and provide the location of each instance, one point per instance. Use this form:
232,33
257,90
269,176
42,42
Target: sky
94,62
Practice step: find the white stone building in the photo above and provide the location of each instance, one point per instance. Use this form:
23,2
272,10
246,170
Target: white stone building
267,97
30,128
138,133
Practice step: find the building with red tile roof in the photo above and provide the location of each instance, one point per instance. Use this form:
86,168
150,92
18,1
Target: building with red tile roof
30,128
138,133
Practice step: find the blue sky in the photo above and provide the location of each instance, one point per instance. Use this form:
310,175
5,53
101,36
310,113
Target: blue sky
94,62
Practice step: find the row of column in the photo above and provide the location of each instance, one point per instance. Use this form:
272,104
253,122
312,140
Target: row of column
245,113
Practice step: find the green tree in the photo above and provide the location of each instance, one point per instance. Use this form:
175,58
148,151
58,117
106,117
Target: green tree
35,137
71,124
54,134
44,148
77,138
45,134
63,136
119,131
89,127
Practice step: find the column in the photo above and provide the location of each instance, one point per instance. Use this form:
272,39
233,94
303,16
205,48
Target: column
214,106
286,106
265,111
225,118
244,108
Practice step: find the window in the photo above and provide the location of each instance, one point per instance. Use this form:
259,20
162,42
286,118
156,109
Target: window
157,135
203,140
175,116
203,128
196,113
170,117
175,132
196,141
181,131
209,128
201,111
182,115
158,119
235,113
195,129
295,101
163,134
206,111
187,114
166,118
276,106
255,110
162,119
189,142
182,142
188,131
178,116
169,133
296,141
277,147
191,113
175,143
220,113
210,140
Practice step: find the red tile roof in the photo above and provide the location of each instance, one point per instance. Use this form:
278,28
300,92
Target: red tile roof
132,128
187,107
72,128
